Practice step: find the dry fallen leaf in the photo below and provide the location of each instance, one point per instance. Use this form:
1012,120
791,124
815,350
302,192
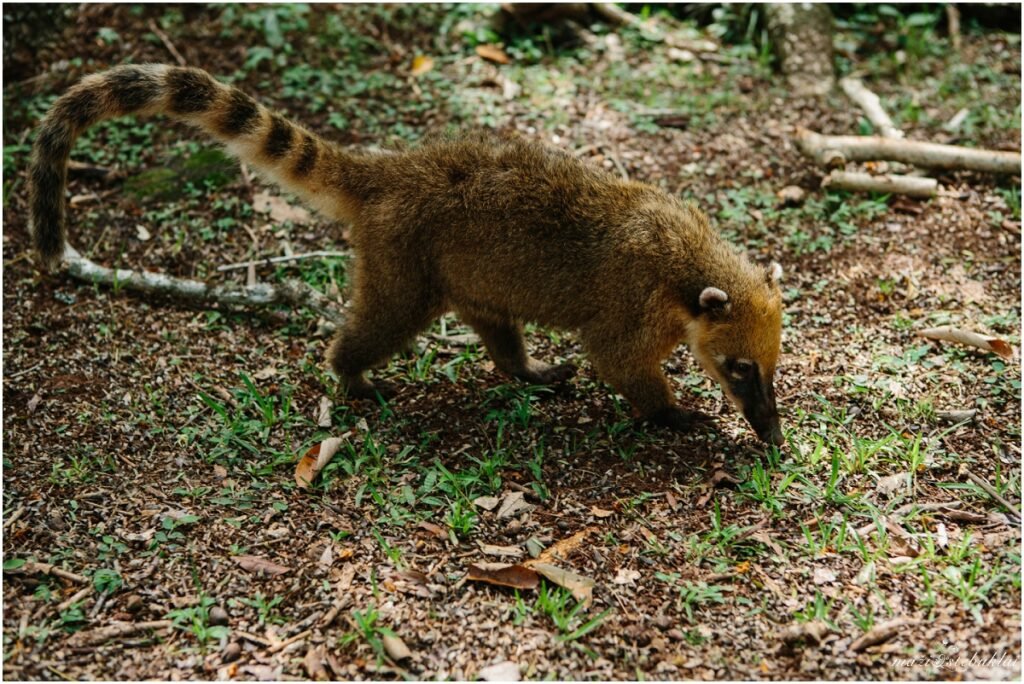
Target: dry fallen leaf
505,671
488,503
515,576
561,549
512,504
600,512
260,565
626,576
314,460
323,415
421,64
973,339
265,373
314,663
395,647
435,530
823,576
279,209
891,483
327,555
493,53
493,550
581,588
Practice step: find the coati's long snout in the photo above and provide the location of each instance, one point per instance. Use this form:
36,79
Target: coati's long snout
757,399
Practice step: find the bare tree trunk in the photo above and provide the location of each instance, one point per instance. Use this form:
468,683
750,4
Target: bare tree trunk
801,34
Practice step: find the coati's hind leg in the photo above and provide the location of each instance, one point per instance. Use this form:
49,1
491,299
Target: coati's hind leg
504,342
387,312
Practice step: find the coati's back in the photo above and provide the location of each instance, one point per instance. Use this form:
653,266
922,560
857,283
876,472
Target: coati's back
526,229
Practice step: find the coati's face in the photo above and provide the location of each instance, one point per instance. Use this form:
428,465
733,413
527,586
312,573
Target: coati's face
736,339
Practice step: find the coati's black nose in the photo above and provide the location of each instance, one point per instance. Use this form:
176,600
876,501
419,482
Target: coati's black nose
768,428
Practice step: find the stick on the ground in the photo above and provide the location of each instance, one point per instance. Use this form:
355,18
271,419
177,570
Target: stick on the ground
912,186
923,154
872,106
986,342
990,490
292,292
167,43
280,260
31,567
118,629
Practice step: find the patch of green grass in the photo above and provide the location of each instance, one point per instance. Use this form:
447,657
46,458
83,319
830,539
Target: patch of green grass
366,626
195,620
566,613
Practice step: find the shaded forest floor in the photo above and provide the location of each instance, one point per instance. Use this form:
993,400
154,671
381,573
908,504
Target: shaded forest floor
149,447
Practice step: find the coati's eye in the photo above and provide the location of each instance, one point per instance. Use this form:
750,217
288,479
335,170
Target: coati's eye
741,368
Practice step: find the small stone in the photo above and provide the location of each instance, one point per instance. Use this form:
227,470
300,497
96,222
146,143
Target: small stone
231,652
792,196
218,616
133,603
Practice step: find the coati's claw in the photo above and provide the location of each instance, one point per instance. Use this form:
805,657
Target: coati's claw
679,419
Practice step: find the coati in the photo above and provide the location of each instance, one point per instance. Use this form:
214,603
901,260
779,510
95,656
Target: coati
500,231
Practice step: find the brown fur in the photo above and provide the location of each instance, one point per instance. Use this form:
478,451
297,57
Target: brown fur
500,231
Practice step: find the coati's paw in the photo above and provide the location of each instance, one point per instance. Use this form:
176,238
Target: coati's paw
539,373
679,419
556,375
364,389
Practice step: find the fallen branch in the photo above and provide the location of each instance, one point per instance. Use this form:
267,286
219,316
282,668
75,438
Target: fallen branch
923,154
291,292
118,629
32,567
280,260
890,184
880,633
1012,508
872,106
973,339
167,43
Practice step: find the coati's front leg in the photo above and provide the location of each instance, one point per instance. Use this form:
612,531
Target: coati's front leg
642,382
504,342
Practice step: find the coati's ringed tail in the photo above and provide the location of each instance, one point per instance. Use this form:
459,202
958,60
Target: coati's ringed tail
294,157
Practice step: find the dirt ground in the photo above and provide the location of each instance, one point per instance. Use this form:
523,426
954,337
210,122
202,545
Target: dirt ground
152,525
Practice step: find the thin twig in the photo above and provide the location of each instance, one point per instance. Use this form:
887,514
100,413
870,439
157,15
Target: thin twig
280,259
991,491
167,43
32,567
281,645
80,595
23,372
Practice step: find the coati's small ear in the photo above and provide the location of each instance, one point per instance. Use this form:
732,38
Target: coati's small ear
713,299
774,272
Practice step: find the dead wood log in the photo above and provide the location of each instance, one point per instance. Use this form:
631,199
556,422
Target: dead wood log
290,292
872,106
923,154
889,184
